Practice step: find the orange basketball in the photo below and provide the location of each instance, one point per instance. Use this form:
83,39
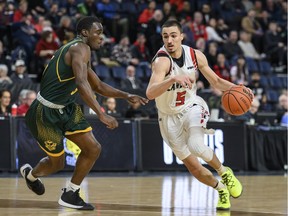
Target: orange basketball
237,100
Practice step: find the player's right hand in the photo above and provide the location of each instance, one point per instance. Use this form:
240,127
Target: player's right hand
109,121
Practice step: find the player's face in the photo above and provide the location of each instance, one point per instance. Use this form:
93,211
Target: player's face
95,36
172,38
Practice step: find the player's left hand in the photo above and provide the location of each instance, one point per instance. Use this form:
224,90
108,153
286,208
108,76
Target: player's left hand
136,98
251,95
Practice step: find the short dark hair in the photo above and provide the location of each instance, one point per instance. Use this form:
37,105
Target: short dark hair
86,23
170,23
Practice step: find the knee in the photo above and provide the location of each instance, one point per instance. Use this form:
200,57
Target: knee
94,149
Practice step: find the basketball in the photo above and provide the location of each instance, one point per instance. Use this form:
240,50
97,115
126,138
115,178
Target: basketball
237,100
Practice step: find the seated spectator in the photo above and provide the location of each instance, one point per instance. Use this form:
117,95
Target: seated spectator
198,28
231,47
212,33
103,55
4,78
250,24
247,47
222,29
131,81
65,32
221,68
239,72
116,24
45,48
5,99
110,107
147,14
153,32
20,75
275,48
122,54
29,98
214,104
258,91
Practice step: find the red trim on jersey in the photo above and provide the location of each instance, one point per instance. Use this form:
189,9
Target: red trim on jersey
193,55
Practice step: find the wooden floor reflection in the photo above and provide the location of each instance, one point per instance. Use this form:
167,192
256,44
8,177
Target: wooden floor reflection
162,195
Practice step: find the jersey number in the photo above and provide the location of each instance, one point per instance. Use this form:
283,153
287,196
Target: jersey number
180,100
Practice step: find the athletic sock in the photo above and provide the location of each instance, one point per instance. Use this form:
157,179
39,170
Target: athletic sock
221,170
219,186
72,187
30,177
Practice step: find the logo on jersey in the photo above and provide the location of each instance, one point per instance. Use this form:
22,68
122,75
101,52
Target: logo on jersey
50,145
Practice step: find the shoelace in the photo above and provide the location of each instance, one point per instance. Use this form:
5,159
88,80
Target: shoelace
227,180
223,197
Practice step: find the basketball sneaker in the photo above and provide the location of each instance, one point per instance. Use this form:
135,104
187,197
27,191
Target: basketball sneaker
73,200
223,201
36,186
232,183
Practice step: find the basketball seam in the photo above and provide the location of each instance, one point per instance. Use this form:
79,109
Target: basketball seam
237,102
241,93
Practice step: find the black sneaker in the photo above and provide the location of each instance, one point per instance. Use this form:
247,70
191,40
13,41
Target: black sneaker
73,200
36,186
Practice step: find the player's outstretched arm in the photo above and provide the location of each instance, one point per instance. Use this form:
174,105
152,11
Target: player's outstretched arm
108,91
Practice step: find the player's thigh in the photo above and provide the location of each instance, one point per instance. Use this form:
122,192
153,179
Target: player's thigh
85,141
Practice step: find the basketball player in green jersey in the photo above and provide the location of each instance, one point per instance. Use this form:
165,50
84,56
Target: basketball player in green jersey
55,115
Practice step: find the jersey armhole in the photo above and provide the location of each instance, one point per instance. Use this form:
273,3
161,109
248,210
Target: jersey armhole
163,54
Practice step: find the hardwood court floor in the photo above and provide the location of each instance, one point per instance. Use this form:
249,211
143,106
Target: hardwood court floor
147,195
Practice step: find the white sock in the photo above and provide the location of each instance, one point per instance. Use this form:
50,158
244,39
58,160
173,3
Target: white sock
30,177
219,186
221,170
72,187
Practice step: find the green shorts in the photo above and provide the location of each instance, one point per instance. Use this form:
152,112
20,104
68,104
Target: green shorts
49,126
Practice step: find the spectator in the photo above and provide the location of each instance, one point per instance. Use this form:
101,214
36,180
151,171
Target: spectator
207,13
20,12
198,28
212,33
45,48
117,25
168,11
214,104
222,29
239,72
153,33
252,26
121,53
247,47
231,47
131,81
22,97
4,78
221,68
275,48
20,75
111,107
29,98
5,99
257,88
147,14
65,31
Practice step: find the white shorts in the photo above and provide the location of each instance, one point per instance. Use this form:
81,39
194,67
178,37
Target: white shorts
174,128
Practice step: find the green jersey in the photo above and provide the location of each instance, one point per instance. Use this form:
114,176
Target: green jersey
58,82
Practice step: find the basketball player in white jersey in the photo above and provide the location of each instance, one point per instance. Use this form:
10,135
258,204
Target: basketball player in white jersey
183,115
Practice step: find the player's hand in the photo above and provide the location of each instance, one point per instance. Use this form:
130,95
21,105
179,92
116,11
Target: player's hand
250,92
109,121
136,98
184,80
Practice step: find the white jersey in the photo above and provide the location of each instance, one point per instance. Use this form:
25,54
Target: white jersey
177,98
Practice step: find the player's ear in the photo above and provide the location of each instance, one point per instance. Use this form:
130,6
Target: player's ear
84,32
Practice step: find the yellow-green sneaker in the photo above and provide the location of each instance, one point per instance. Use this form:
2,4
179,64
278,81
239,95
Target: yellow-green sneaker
232,183
224,200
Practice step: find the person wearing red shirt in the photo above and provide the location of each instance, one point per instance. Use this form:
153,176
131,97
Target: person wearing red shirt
23,108
197,27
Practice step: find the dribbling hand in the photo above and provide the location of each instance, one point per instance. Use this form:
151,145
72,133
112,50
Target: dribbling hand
109,121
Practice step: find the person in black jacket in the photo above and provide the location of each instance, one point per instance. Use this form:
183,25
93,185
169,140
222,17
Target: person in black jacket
131,81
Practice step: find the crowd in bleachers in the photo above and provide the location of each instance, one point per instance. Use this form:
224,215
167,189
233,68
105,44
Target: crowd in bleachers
245,41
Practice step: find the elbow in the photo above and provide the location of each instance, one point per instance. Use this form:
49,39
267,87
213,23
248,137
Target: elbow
149,95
